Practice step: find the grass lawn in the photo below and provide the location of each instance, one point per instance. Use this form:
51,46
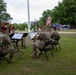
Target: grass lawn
63,62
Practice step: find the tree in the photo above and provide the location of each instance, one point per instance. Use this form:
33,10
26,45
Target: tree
16,26
22,26
70,9
65,12
4,16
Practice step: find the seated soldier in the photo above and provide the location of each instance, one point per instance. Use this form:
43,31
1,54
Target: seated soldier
43,36
6,46
12,31
54,34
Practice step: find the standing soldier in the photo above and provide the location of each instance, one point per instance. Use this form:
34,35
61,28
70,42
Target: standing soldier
6,46
35,25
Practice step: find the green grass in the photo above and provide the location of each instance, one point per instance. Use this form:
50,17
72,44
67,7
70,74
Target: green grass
63,62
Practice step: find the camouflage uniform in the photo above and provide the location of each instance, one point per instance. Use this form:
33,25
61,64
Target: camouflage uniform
46,29
42,37
54,35
6,46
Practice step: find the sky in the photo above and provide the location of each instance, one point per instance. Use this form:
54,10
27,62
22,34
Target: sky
19,12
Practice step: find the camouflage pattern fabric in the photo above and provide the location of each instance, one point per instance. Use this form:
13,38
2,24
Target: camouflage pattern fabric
54,35
42,38
6,46
47,29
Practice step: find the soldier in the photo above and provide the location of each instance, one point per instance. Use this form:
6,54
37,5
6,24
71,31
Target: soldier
47,28
35,25
54,35
6,46
41,38
12,31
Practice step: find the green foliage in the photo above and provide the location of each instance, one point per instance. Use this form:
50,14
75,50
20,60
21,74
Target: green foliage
16,26
41,23
22,26
70,9
4,16
66,12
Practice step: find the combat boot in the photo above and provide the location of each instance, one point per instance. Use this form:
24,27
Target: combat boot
34,55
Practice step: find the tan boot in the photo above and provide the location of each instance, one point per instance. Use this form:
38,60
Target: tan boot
33,56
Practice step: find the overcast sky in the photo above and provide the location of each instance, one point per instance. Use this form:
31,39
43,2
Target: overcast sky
18,9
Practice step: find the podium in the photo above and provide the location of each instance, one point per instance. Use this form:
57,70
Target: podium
16,38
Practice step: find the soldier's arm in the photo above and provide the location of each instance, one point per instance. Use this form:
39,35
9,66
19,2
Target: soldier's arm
7,40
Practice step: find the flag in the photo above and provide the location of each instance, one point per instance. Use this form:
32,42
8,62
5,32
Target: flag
48,21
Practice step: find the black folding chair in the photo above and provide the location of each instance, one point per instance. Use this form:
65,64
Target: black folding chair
3,56
45,49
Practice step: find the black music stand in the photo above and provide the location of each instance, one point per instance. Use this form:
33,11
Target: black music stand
16,38
11,35
23,39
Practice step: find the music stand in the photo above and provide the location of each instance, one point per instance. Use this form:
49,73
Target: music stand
23,39
24,34
11,35
17,37
32,35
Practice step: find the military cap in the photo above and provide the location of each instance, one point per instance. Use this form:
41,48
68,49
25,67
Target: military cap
3,28
13,28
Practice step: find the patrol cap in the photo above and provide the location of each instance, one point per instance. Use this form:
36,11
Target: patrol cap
13,28
3,28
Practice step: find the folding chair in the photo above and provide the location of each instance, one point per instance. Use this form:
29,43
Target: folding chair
45,49
3,56
55,43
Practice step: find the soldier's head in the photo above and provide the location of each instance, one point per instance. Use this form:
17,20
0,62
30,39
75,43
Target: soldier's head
49,24
3,29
